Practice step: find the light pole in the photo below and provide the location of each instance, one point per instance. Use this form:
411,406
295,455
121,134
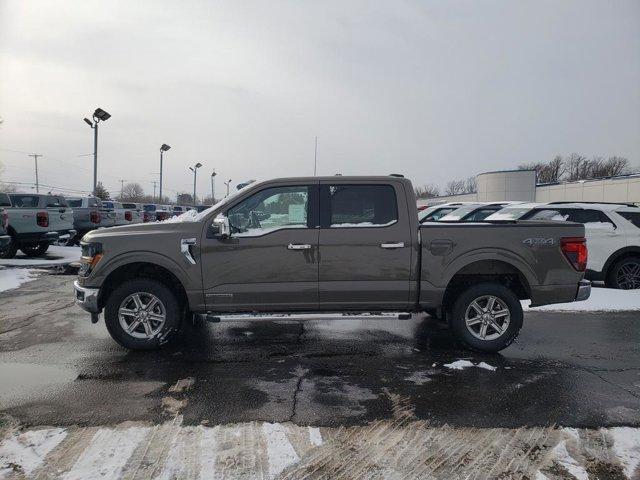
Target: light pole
35,157
194,169
163,149
213,186
98,116
227,183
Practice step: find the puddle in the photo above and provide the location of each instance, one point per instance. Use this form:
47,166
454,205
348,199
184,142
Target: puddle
21,380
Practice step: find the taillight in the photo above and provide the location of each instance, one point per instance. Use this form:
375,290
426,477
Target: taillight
127,216
575,249
94,217
42,218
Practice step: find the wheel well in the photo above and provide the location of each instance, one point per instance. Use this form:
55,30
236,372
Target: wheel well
494,271
142,270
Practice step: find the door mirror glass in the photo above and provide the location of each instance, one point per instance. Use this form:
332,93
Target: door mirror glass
219,228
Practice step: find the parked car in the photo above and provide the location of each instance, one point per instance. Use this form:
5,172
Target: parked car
132,213
612,232
86,215
436,212
178,210
4,221
149,212
163,212
474,213
327,244
30,226
118,210
107,214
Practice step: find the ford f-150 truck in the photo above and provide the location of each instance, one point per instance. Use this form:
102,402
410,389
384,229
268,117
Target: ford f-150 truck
328,244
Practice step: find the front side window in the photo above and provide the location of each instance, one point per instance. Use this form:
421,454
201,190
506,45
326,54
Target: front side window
270,210
361,206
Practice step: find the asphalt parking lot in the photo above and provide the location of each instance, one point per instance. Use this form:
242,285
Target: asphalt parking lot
565,370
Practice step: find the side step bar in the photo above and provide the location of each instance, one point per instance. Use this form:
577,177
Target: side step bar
212,318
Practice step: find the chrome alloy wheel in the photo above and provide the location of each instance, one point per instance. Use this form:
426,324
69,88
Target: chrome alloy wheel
628,276
142,315
487,317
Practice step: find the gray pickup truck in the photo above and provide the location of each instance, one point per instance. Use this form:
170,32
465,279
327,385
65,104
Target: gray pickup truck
5,239
328,244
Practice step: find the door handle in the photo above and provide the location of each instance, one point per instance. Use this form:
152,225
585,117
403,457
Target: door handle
392,245
299,246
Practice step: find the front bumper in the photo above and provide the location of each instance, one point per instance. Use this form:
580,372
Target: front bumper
584,290
87,298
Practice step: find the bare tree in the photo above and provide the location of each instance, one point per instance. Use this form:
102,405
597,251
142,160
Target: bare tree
457,187
427,191
132,192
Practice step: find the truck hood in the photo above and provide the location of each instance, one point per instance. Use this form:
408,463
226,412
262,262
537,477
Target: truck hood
193,229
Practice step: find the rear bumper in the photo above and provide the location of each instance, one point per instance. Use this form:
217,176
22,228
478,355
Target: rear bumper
37,237
584,290
87,298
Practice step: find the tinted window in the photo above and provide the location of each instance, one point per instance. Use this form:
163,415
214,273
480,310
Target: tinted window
75,203
25,201
633,217
149,208
129,206
269,210
361,205
107,204
438,214
4,200
480,214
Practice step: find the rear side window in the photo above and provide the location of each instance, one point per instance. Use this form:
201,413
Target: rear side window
4,200
633,217
25,201
359,206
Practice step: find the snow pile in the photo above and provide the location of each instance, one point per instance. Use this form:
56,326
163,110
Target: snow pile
28,450
188,216
56,255
11,278
626,446
462,364
601,300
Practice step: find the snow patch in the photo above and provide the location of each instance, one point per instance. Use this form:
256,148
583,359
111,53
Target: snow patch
26,451
419,378
107,454
279,450
315,437
601,300
567,461
11,278
462,364
56,255
188,216
626,446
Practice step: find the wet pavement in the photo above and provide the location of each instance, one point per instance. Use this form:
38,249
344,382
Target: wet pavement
577,370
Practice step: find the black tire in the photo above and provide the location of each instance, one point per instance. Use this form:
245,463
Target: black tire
144,286
462,307
624,274
35,250
10,250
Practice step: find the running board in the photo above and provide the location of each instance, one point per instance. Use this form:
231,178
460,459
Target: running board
216,318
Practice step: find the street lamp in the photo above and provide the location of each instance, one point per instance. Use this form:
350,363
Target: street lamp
213,186
98,116
163,149
194,169
227,183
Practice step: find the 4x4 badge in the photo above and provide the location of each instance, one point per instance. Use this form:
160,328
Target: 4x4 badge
538,241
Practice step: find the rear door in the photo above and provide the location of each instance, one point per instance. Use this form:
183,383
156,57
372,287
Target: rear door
365,246
270,261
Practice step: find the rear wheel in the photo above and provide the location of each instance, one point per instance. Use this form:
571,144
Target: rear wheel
142,314
10,250
486,317
625,274
35,250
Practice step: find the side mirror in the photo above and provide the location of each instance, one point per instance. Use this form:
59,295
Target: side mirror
219,228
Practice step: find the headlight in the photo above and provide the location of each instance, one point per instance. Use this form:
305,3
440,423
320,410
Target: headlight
91,255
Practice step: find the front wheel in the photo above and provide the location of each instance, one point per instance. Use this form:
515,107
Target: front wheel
142,314
486,317
35,250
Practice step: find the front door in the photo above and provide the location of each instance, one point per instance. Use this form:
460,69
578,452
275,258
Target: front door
270,260
365,246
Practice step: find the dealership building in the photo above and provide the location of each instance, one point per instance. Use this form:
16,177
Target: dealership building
522,185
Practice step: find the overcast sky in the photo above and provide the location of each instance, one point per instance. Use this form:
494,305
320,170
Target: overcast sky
432,89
